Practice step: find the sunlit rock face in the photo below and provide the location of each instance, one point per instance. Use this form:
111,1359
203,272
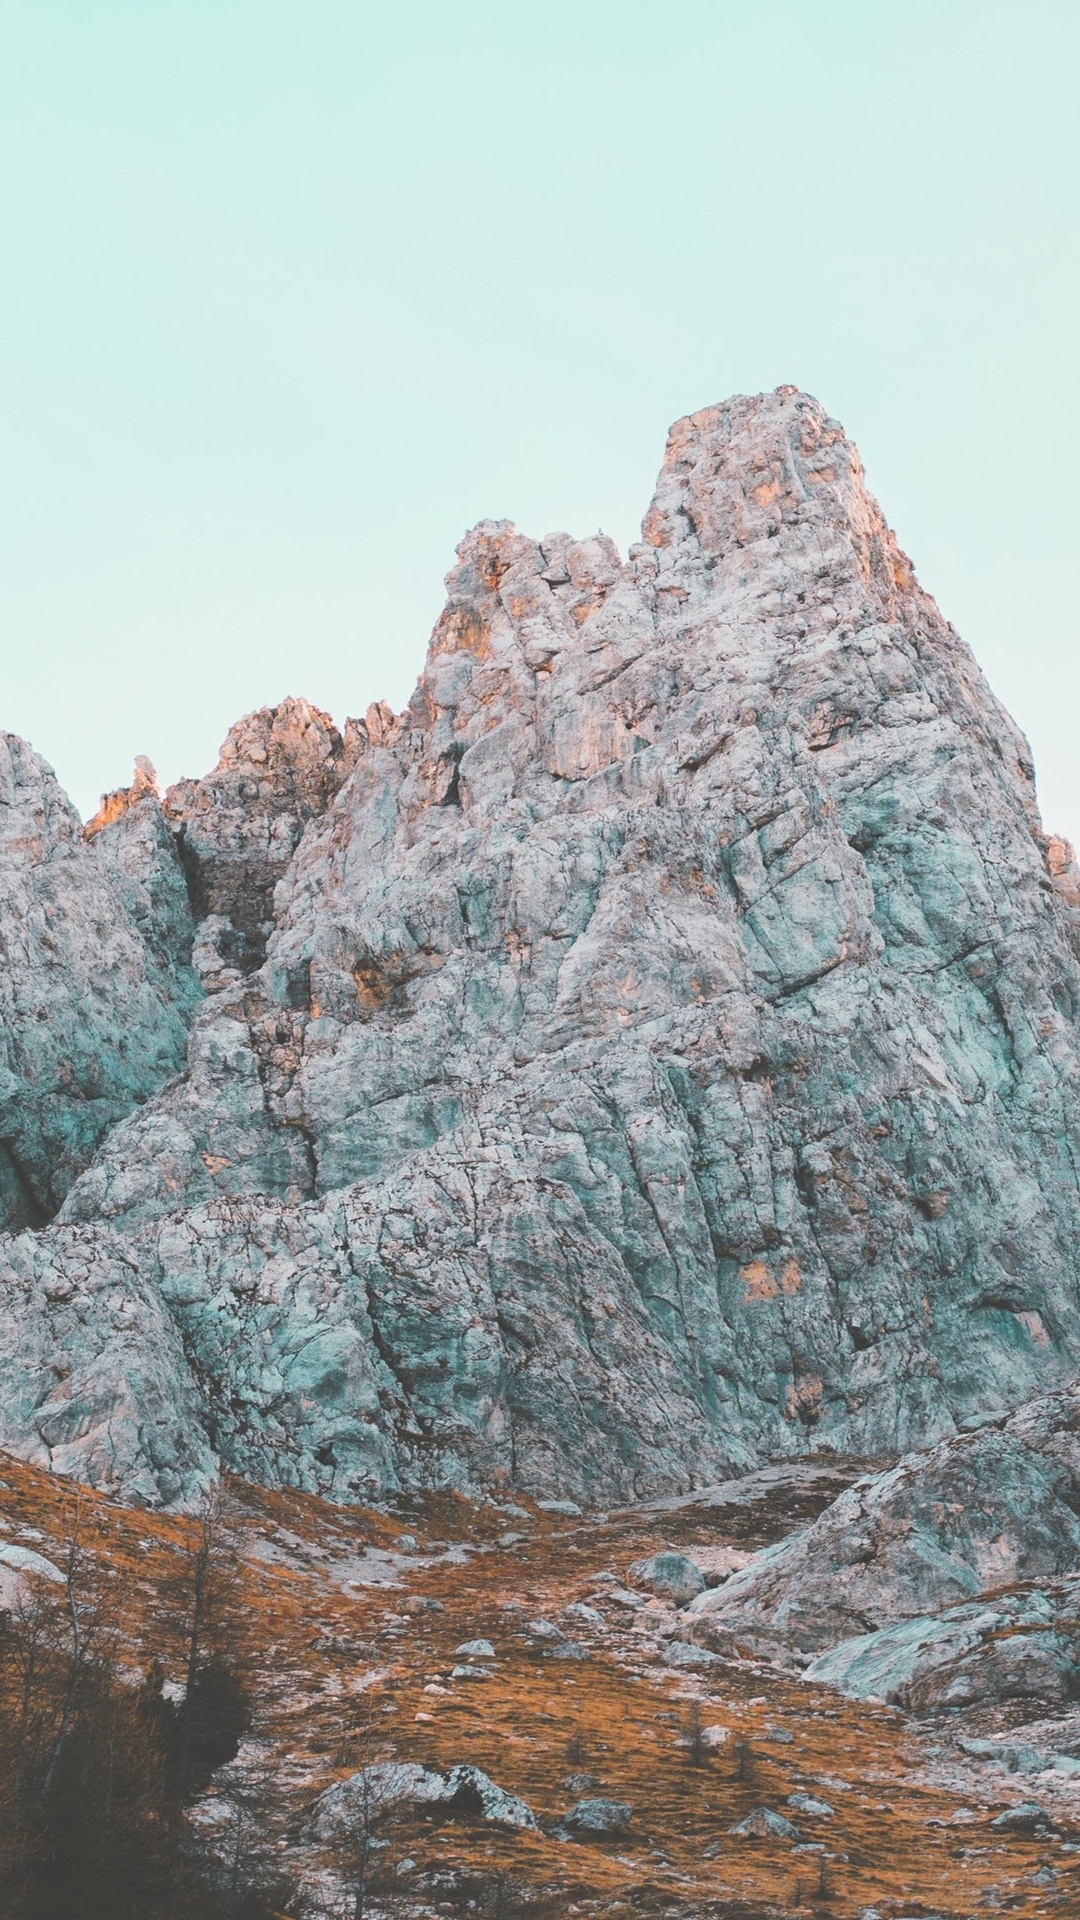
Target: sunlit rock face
665,1050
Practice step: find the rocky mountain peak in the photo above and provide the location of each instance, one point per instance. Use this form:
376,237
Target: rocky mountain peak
653,1050
114,805
757,469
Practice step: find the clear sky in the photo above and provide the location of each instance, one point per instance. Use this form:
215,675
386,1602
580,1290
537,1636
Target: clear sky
294,291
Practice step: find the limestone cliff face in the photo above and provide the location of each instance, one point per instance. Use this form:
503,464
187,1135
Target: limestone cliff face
664,1051
94,1008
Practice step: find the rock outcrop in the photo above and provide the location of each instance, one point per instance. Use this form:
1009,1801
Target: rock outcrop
978,1512
95,995
239,826
658,1052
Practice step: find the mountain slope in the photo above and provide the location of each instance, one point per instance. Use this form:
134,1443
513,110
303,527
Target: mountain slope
664,1053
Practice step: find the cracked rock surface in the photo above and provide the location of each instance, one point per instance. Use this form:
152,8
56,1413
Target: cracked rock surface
653,1051
95,991
976,1513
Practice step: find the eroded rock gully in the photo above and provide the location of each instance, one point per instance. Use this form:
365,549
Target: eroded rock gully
653,1051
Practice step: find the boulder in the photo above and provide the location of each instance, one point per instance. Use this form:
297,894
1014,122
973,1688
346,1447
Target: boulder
375,1790
809,1804
765,1824
986,1652
1026,1818
671,1575
714,1737
598,1817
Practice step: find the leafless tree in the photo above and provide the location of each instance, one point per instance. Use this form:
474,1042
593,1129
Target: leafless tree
696,1751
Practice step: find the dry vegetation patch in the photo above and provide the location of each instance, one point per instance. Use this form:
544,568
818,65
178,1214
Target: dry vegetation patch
348,1663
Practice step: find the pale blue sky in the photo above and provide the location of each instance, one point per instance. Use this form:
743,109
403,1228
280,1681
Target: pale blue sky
294,293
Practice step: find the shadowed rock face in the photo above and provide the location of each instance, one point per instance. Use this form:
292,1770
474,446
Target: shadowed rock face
94,1010
238,827
664,1053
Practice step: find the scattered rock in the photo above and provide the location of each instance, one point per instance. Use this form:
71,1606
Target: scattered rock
1026,1818
672,1575
764,1824
1022,1759
464,1790
690,1659
544,1630
476,1650
714,1737
598,1817
807,1803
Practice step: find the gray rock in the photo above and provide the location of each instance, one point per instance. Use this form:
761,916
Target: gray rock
94,1005
375,1790
544,1630
580,1610
623,1597
715,1737
476,1650
20,1567
764,1824
1026,1818
1007,1649
467,1671
808,1803
1022,1759
594,1051
976,1512
672,1575
688,1658
25,1560
598,1817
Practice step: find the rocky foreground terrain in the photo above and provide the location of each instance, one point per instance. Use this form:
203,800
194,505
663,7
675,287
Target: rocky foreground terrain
648,1064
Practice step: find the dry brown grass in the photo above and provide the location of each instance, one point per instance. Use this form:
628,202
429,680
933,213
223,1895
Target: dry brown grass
307,1644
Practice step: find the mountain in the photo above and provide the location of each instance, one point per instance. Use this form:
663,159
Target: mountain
652,1052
